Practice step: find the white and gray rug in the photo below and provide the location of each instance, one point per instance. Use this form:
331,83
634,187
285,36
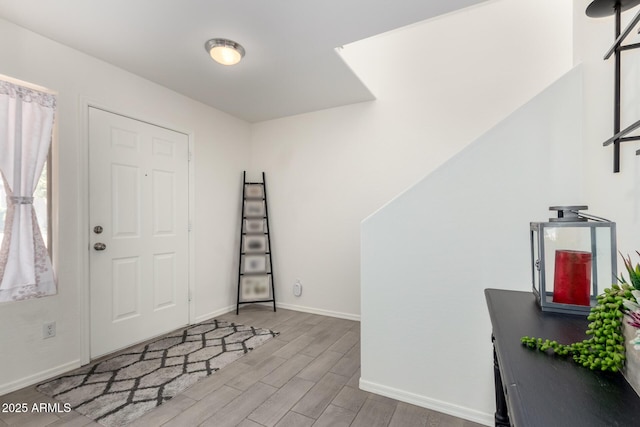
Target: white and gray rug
119,389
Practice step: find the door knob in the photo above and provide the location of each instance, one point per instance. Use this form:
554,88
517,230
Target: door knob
99,246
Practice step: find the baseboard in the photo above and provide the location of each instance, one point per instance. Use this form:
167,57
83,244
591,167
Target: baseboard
429,403
293,307
319,311
213,314
39,377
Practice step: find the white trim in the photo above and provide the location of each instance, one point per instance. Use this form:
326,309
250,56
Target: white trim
293,307
84,300
232,308
216,313
319,311
53,190
83,215
429,403
191,233
39,377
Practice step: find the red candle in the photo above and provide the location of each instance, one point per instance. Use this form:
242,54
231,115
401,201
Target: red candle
572,278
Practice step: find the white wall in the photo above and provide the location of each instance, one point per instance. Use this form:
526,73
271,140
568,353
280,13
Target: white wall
326,171
221,145
613,196
469,249
439,85
428,255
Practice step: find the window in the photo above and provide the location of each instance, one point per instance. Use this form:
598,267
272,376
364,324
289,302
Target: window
27,114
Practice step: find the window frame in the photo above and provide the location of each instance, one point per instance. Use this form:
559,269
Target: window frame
49,165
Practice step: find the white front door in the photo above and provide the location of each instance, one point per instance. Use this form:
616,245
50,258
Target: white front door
138,213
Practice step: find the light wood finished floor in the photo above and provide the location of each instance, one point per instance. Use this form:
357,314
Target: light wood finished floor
306,376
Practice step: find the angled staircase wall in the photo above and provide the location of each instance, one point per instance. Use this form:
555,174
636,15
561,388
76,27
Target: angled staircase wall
428,254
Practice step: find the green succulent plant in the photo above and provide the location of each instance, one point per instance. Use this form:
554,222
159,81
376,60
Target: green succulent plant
634,272
605,349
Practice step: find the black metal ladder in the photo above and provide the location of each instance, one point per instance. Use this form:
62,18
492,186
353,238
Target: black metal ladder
255,265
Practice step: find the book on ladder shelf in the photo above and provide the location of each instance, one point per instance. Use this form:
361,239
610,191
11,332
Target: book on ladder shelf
255,266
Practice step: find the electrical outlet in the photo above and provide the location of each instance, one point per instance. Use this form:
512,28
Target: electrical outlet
48,330
297,288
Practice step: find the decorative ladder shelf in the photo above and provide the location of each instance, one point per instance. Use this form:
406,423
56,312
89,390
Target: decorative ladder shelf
255,266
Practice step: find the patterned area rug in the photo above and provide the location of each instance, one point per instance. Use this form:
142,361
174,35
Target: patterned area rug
120,389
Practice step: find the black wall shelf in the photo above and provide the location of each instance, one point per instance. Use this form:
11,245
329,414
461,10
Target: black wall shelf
602,8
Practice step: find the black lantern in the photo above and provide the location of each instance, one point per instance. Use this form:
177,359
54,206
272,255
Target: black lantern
571,256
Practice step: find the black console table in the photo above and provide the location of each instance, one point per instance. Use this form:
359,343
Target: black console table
536,389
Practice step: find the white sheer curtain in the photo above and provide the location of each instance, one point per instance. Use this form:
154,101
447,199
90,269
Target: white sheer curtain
26,125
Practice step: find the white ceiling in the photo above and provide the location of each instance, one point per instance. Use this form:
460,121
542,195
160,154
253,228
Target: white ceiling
291,65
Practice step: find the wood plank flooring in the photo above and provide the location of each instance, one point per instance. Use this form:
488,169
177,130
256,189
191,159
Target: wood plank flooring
306,376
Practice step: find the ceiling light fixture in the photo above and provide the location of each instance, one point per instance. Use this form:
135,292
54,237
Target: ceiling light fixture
223,51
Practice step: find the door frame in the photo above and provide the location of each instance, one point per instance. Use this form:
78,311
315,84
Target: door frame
83,210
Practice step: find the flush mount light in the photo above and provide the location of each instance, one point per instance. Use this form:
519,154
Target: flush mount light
223,51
